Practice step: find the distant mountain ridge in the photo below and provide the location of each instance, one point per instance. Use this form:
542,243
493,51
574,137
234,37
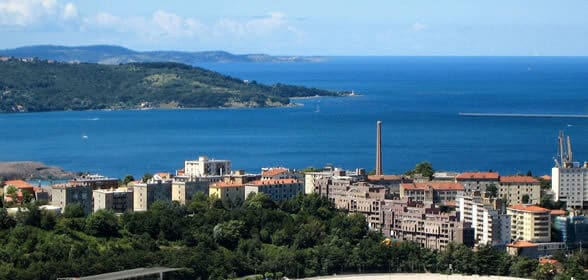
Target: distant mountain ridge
110,54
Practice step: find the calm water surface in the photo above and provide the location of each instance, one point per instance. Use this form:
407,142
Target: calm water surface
417,98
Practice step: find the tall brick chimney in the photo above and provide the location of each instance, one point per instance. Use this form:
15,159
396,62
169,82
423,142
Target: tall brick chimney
379,149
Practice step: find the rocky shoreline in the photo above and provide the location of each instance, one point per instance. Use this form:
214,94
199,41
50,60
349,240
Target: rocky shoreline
32,170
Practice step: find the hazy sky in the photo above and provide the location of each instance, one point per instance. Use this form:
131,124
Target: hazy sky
304,27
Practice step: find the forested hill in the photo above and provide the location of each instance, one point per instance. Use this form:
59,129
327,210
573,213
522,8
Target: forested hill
30,85
105,54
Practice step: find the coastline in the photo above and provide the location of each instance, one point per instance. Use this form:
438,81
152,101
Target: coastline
233,107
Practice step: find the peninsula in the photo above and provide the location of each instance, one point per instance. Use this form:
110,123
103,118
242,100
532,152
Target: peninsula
34,85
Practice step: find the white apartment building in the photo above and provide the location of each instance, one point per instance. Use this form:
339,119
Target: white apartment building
206,167
491,225
570,185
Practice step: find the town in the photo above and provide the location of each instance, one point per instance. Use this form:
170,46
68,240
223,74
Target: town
534,217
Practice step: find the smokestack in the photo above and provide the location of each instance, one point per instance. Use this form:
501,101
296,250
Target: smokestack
379,148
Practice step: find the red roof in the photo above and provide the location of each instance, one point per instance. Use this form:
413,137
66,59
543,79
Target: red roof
528,208
19,184
519,180
434,185
522,244
546,261
478,176
558,212
274,172
546,177
273,182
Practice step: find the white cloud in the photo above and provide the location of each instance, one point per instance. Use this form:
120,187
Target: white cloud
29,12
163,24
418,26
70,11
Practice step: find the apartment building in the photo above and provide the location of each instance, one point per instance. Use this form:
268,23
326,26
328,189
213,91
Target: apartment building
117,200
144,194
276,189
206,167
69,193
488,218
530,223
520,190
570,185
477,181
228,192
425,224
437,192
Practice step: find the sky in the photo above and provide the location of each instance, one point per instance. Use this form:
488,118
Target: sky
305,27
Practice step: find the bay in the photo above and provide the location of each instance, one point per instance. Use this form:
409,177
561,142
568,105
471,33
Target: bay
417,98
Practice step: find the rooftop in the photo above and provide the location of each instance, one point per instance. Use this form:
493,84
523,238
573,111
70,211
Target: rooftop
522,244
519,179
226,185
19,184
528,208
558,212
478,176
433,185
384,177
273,182
126,274
274,172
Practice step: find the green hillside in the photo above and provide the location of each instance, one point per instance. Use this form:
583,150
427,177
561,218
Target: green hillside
39,85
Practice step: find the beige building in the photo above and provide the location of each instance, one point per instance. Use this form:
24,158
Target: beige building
477,181
117,200
488,218
425,224
65,194
438,192
228,192
144,194
530,223
514,188
276,189
366,199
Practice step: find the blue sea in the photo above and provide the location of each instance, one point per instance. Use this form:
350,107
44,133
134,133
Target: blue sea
417,98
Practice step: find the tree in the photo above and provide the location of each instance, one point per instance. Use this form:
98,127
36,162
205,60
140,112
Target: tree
128,179
492,190
73,210
103,223
146,177
424,168
6,221
228,233
525,199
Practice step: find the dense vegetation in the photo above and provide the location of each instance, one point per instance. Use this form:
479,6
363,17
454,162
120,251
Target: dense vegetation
39,85
304,236
106,54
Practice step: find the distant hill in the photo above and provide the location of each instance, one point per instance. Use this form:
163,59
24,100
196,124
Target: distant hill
105,54
33,85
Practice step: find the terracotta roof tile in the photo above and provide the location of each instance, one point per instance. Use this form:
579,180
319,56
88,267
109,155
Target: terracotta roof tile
434,185
478,176
274,172
20,184
528,208
519,179
522,244
558,212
